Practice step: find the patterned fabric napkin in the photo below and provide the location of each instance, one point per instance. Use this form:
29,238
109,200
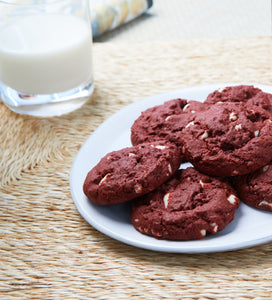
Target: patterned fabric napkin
109,14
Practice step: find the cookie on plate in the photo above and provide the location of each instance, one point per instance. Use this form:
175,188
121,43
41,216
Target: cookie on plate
189,206
163,121
241,93
131,172
255,189
228,139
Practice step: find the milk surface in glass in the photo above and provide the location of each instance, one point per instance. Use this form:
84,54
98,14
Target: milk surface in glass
44,54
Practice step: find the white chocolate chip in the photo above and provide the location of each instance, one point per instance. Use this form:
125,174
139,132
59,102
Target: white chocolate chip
104,179
167,118
235,172
190,124
161,147
166,200
219,102
214,227
193,111
201,183
237,127
169,168
256,133
233,117
131,154
265,168
136,220
156,233
186,106
203,232
138,188
204,135
265,203
232,199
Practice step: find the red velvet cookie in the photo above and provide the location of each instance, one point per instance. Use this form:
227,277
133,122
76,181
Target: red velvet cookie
228,139
188,206
242,93
131,172
163,121
255,189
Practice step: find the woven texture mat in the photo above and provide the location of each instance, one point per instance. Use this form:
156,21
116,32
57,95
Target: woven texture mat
47,249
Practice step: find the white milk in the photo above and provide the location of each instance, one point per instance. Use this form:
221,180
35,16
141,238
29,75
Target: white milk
45,54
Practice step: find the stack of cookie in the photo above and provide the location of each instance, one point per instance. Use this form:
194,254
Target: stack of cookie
228,140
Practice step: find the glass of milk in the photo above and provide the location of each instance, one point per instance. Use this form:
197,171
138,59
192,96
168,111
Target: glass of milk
45,56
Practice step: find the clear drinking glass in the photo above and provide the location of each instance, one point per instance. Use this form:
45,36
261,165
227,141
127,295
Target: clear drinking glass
45,56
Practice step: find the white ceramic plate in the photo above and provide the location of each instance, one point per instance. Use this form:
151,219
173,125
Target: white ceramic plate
250,226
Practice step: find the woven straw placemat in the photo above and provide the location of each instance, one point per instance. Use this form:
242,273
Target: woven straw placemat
48,251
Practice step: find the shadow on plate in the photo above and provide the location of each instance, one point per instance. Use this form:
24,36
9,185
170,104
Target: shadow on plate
115,212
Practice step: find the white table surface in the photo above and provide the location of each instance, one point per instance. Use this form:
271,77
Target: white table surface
196,19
